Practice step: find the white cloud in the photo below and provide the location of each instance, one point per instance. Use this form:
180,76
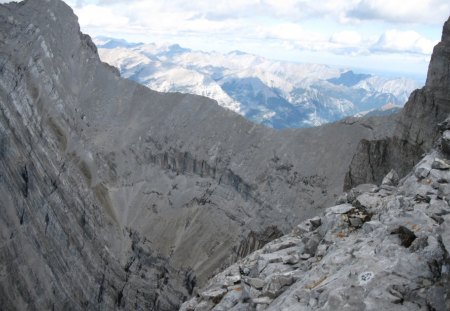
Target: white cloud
289,31
346,37
403,41
345,28
97,16
394,11
411,11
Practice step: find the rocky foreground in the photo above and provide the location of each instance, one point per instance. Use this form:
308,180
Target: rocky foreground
381,248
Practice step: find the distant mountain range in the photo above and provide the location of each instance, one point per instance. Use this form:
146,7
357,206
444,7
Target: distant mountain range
274,93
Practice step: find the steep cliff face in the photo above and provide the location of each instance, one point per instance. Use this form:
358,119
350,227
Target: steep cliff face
59,249
416,127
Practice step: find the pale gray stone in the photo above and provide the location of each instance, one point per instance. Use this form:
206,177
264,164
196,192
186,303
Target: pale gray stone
262,300
230,299
214,294
391,179
276,284
291,259
440,164
445,232
340,209
255,282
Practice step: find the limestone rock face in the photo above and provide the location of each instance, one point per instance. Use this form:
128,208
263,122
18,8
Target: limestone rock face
59,247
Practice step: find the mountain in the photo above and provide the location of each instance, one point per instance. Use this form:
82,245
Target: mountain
273,93
385,110
115,196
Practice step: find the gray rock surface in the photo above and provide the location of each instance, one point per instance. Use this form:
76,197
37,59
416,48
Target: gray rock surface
446,142
397,260
60,249
391,179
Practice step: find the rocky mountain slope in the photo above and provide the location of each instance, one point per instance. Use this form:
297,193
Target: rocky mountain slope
273,93
117,196
381,248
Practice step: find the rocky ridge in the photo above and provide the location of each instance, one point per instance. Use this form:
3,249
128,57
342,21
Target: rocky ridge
383,247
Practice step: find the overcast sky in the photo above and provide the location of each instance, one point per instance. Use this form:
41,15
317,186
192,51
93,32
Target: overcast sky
380,35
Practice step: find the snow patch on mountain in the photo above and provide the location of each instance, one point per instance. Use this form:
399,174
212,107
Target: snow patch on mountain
274,93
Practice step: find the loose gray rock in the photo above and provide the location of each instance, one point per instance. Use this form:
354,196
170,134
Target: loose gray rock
391,179
440,164
446,142
376,264
445,232
276,284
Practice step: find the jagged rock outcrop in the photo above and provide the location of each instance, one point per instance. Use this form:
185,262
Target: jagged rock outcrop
385,249
416,127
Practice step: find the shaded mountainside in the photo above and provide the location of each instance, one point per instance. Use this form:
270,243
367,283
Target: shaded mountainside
117,196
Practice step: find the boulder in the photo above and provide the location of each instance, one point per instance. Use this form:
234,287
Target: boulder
445,233
444,192
444,125
276,284
339,209
228,301
214,295
255,282
446,142
391,179
439,164
262,300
